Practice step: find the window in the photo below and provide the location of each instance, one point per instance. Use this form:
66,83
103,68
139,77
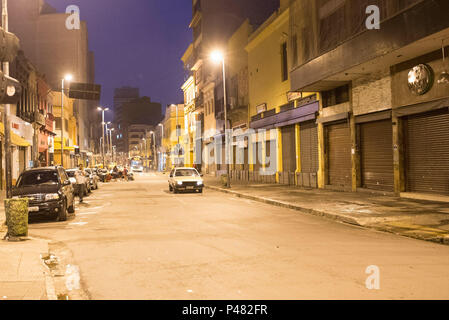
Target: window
284,63
336,96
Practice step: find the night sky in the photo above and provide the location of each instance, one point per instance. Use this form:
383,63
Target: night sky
137,43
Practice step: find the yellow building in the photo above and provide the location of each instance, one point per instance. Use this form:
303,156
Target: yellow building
174,117
70,131
190,117
287,151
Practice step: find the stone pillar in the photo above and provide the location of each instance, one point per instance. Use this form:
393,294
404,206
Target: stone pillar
398,156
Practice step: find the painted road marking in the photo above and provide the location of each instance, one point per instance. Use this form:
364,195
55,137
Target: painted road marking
78,223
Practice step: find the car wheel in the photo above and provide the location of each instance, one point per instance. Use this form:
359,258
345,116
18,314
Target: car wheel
170,188
71,209
200,191
175,190
62,216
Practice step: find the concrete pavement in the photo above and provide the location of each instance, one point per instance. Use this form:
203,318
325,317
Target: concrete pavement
23,275
420,219
135,240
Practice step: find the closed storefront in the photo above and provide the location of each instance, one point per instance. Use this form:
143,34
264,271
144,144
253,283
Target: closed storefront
339,164
376,155
427,152
288,149
309,154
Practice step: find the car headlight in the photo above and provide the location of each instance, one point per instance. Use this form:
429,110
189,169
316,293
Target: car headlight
179,182
199,183
51,196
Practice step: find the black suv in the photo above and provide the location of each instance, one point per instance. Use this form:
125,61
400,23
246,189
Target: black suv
49,191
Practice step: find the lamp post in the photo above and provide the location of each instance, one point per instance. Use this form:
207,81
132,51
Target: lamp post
67,78
110,142
107,136
102,125
154,151
145,158
218,57
162,152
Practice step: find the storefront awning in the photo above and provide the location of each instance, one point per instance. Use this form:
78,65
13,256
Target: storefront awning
289,117
15,139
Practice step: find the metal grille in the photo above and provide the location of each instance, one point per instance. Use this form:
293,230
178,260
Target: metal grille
339,155
288,149
309,147
377,155
427,149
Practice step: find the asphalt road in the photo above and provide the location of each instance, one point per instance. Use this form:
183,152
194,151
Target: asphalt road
135,240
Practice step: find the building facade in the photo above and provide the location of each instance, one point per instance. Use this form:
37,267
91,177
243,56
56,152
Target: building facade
383,115
57,51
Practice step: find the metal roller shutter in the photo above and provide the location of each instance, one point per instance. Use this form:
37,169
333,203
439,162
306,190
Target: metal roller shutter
427,145
339,155
288,149
376,156
309,147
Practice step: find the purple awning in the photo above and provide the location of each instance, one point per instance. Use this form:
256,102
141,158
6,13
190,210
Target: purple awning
286,118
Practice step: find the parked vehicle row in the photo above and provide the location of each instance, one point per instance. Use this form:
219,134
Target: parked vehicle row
51,191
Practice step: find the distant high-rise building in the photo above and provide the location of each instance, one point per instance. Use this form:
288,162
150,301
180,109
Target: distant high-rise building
56,51
130,109
121,96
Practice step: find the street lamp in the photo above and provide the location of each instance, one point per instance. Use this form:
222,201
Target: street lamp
68,78
102,125
218,57
110,140
107,135
154,151
162,152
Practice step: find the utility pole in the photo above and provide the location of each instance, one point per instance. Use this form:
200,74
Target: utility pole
6,121
227,146
62,124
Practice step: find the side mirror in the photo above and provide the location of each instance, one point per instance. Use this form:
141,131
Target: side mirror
201,175
67,183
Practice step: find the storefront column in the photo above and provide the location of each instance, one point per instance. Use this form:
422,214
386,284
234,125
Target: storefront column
279,168
322,161
298,151
398,156
355,158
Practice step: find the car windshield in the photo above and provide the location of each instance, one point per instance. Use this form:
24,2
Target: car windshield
186,173
71,174
38,178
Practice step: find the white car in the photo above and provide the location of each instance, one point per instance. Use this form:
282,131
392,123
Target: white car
185,179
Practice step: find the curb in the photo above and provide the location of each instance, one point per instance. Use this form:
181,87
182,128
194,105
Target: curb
277,203
343,219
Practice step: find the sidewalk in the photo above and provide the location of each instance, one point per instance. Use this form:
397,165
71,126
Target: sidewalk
22,275
424,220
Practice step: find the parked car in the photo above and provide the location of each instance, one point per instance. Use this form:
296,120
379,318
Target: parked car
185,179
93,178
49,191
71,174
